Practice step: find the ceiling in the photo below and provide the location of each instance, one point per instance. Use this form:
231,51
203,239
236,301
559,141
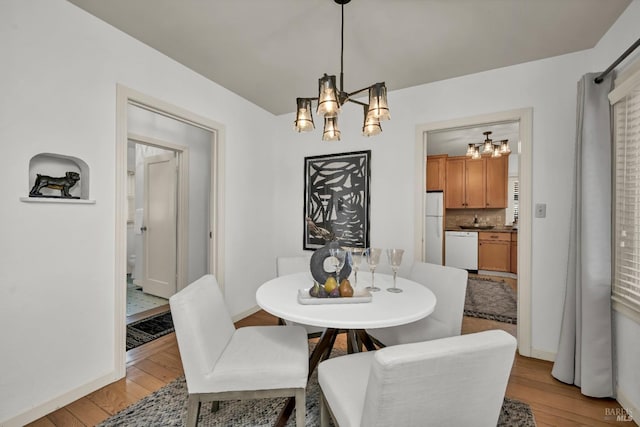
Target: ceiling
454,141
270,52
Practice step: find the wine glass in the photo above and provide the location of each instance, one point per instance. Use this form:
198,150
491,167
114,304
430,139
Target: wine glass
339,255
395,259
373,258
356,258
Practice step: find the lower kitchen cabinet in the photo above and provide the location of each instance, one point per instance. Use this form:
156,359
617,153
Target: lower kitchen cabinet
494,251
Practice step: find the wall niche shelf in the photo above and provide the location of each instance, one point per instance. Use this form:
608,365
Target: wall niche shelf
49,200
57,165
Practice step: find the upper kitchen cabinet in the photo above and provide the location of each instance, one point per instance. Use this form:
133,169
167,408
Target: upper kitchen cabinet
476,183
436,172
497,170
465,183
455,183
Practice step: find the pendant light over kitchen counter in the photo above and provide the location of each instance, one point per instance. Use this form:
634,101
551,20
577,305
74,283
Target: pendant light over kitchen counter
475,151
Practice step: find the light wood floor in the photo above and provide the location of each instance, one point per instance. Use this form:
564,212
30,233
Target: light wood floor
151,366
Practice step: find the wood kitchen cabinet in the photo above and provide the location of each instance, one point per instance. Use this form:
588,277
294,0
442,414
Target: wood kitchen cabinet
476,183
436,172
455,194
494,251
497,172
514,253
465,183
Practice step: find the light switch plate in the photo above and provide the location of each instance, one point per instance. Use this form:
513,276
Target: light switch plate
541,210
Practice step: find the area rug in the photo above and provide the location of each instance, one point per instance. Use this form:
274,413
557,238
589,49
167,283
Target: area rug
489,299
148,329
168,407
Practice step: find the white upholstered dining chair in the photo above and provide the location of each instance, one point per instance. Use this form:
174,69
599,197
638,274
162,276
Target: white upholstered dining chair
291,265
222,363
449,285
455,381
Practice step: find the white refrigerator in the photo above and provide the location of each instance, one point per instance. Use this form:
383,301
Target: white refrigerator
433,227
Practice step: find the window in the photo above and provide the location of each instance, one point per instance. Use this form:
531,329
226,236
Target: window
626,121
516,192
511,214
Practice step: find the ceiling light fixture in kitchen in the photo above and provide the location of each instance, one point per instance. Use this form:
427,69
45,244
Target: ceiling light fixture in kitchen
488,147
330,100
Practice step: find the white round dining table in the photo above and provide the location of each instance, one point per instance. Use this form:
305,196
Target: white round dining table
279,297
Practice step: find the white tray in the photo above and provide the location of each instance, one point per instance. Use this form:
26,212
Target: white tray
360,296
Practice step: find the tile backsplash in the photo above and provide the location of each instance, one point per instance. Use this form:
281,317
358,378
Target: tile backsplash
457,217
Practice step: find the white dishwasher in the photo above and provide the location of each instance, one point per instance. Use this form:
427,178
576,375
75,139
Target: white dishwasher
461,249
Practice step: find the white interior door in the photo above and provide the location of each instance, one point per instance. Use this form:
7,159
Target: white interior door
160,225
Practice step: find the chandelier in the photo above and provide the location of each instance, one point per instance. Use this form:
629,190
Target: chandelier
475,151
331,99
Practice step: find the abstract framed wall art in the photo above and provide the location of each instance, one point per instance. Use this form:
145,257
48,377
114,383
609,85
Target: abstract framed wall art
336,199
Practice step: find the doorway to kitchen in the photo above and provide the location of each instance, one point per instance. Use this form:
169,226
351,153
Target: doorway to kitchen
450,140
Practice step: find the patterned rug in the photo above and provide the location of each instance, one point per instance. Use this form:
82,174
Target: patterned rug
148,329
168,407
488,299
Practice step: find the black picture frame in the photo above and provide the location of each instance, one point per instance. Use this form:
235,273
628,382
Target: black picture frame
336,199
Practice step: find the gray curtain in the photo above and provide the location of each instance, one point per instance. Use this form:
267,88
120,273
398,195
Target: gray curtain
585,353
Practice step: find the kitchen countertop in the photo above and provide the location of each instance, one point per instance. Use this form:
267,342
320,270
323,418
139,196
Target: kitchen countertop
491,230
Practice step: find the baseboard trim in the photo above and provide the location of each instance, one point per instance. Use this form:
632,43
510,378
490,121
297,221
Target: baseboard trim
544,355
497,274
628,406
246,313
58,402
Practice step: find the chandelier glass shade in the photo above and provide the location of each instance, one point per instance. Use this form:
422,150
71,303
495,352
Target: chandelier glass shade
378,107
331,131
371,125
487,146
504,147
328,102
331,98
471,149
304,119
475,151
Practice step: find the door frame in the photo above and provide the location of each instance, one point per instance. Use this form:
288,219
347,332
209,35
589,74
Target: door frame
182,201
124,97
525,118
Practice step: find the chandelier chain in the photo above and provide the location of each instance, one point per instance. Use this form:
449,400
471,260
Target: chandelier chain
342,50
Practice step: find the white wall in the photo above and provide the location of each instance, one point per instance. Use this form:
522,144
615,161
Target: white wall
59,75
60,67
549,86
627,331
